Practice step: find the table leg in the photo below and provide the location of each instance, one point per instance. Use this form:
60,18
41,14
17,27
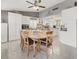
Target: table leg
34,49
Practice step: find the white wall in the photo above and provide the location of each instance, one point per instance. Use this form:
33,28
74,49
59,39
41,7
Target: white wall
50,21
69,17
15,23
33,23
27,20
3,32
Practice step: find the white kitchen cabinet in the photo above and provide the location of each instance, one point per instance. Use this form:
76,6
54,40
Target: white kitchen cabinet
14,21
3,32
69,17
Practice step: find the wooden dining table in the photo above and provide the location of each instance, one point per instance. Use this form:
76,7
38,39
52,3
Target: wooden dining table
36,34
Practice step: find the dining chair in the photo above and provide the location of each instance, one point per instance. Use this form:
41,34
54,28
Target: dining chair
22,39
37,42
47,42
26,42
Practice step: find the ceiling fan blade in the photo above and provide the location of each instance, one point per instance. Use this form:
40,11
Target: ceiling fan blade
30,2
30,6
42,6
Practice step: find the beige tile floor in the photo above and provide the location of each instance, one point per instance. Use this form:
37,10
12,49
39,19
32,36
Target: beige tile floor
12,50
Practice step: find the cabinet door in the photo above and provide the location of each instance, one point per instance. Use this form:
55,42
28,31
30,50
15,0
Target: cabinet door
14,25
69,17
18,25
3,32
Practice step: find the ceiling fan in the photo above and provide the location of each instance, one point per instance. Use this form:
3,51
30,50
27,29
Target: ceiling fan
35,4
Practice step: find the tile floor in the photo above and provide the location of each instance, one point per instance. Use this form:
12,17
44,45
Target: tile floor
11,50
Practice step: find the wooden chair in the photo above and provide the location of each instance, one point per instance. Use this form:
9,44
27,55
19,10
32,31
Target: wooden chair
26,42
22,44
47,42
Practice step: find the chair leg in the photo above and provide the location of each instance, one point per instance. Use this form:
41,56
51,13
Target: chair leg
39,43
22,48
28,51
46,53
35,50
21,45
52,46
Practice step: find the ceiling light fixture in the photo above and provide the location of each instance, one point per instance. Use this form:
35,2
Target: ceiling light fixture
36,7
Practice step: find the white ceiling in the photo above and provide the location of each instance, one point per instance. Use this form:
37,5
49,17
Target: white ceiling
21,5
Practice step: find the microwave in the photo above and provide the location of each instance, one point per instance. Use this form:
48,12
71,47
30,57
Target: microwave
25,26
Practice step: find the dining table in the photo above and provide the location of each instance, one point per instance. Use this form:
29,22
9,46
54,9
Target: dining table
36,34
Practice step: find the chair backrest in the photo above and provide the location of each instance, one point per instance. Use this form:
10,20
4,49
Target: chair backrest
24,35
49,34
49,37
